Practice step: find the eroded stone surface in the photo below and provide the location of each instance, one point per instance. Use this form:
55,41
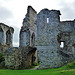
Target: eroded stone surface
20,58
6,34
49,33
46,32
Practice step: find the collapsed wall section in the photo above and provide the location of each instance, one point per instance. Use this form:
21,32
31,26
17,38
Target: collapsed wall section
20,58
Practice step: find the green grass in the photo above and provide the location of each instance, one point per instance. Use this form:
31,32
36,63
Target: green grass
69,69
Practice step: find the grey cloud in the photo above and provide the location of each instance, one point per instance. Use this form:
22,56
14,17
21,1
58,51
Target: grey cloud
67,9
5,13
74,4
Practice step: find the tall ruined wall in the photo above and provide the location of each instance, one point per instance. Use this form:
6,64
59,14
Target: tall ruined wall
27,33
46,38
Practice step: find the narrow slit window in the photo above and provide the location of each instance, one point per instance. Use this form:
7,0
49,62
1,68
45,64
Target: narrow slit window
47,20
61,44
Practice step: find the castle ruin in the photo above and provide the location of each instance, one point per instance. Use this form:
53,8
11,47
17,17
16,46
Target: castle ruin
43,39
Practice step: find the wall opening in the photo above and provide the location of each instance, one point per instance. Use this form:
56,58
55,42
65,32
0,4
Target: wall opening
8,37
47,20
73,49
33,40
61,44
1,35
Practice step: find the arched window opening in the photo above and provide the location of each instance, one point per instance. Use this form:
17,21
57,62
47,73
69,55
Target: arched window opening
8,37
28,38
33,40
1,35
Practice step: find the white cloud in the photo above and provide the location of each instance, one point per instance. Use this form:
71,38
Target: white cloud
5,13
67,8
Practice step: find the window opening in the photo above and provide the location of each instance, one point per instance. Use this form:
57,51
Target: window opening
61,44
47,20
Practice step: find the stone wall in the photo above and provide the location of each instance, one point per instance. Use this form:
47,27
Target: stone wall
20,58
46,40
50,32
66,26
44,31
67,35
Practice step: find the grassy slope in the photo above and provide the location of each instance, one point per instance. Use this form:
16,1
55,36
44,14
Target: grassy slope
65,70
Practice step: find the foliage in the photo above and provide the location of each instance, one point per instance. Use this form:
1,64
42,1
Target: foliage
1,57
30,67
2,63
36,64
71,65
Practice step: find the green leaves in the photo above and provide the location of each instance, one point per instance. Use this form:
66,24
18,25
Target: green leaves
1,57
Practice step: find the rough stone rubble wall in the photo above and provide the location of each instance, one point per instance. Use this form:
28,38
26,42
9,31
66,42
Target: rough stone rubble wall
46,36
49,37
20,58
6,37
67,35
46,40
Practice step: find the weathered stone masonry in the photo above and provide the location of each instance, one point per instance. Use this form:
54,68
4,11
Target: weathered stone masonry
46,43
16,57
6,34
20,58
49,33
49,37
41,38
6,37
28,30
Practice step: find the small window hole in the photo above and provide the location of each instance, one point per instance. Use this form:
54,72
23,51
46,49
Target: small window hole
47,20
61,44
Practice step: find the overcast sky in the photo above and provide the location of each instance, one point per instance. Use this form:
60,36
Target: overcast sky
12,12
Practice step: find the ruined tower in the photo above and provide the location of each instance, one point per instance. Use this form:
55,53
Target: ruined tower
27,33
46,40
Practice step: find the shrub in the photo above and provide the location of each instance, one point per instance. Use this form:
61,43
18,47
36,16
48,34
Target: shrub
1,57
36,64
2,63
71,65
